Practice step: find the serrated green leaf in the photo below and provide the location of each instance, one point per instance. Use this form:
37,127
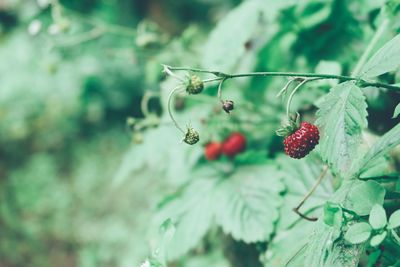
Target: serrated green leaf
376,240
358,233
380,148
341,118
362,196
247,203
396,111
377,217
385,60
190,212
394,220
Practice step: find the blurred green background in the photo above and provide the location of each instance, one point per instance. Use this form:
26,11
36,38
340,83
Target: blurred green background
76,186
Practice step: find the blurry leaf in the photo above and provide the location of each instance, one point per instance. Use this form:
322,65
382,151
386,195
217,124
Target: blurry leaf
362,196
394,220
373,257
247,203
191,212
376,240
226,43
388,141
377,217
385,60
358,233
396,111
341,117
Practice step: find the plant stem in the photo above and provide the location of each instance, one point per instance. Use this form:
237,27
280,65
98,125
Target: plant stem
170,111
219,93
289,102
319,76
378,34
317,183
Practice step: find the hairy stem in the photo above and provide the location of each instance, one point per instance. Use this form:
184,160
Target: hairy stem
319,76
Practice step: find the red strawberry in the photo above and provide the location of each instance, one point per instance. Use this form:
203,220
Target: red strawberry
212,150
302,141
234,144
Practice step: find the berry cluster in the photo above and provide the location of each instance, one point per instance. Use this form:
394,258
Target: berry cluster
231,146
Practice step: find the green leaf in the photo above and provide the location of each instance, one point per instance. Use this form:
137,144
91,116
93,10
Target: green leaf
299,177
289,246
341,118
376,168
247,203
396,111
226,44
333,214
394,220
362,196
190,211
377,217
326,246
376,240
385,60
358,233
379,149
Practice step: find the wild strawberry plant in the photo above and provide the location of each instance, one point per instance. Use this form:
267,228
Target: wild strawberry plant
326,195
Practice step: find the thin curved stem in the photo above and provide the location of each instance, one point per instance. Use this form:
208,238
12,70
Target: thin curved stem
219,94
289,102
170,96
144,104
285,88
317,183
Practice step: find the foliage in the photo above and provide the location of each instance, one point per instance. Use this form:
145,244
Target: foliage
95,173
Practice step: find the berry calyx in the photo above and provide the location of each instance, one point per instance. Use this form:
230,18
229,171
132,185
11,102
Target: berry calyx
194,85
191,136
228,106
234,144
212,150
302,141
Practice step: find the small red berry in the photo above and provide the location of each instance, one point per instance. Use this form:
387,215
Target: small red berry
212,151
234,144
302,141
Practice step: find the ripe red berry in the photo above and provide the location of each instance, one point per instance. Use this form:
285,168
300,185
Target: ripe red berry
212,151
234,144
302,141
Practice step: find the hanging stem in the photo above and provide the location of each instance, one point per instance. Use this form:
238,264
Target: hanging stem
317,183
220,90
170,111
289,102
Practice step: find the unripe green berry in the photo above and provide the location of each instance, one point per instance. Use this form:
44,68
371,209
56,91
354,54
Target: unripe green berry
191,136
194,85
